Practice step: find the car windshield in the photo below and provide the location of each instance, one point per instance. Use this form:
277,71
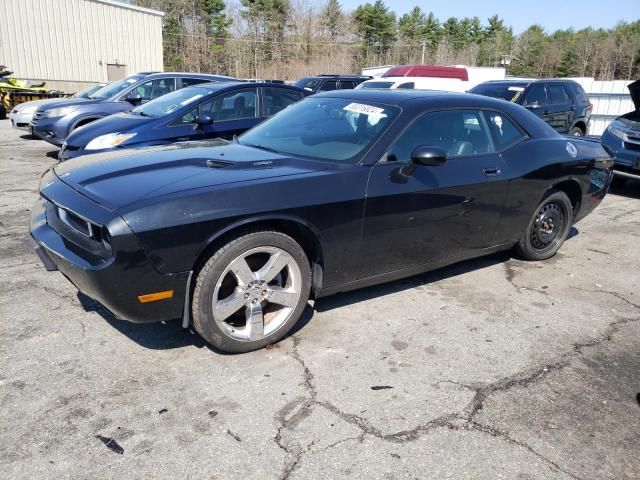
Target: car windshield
376,85
510,93
112,89
170,102
335,129
87,92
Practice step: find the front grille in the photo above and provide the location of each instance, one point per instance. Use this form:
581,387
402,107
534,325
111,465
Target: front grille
74,221
632,146
36,116
88,240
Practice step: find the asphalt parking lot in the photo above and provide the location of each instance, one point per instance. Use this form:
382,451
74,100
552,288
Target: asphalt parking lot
493,368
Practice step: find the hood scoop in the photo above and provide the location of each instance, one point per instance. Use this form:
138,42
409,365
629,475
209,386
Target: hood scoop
218,163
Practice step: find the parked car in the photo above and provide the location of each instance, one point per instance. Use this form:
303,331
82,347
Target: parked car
207,110
561,103
341,190
622,138
54,121
22,113
327,83
417,83
437,77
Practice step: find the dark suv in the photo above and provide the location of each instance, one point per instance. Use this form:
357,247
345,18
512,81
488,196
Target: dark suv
561,103
325,83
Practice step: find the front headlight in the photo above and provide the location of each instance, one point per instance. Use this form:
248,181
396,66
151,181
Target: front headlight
109,141
617,132
58,112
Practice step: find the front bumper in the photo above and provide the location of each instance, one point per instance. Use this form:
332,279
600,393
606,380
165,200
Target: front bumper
626,157
51,130
20,120
115,281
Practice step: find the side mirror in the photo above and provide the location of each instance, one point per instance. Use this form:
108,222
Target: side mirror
425,156
133,98
202,120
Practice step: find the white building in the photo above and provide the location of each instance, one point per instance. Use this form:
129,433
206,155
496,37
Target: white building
72,43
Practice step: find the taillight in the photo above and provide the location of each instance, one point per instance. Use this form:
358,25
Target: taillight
590,106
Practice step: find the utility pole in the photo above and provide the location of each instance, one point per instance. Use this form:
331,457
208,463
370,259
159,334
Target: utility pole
424,47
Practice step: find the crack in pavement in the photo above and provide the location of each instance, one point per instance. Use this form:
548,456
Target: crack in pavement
463,420
615,294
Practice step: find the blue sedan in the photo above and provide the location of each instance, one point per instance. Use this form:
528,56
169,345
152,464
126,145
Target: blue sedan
204,111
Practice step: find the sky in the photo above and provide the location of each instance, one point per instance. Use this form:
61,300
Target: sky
551,14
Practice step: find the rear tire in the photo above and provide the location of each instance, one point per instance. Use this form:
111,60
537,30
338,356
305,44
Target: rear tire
576,132
251,292
548,228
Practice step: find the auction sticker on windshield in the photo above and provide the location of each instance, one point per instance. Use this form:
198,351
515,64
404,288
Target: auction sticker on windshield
362,108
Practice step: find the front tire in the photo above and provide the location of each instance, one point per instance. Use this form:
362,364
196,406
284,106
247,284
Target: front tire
548,227
251,292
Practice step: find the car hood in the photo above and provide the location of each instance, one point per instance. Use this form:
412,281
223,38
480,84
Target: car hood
634,90
117,123
38,103
67,102
119,178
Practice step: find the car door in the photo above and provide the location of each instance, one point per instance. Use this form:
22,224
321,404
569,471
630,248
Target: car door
536,100
560,108
436,212
232,113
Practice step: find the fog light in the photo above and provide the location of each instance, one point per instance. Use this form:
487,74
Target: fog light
154,297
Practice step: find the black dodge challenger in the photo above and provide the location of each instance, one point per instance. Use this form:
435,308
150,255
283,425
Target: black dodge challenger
343,190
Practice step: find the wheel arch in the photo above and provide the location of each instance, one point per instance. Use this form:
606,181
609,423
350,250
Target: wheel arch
581,125
571,187
306,234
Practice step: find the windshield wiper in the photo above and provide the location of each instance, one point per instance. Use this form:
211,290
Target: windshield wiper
261,147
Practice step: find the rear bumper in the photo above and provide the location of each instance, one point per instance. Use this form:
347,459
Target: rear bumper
115,282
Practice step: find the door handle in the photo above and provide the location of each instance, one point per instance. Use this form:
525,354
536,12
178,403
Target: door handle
492,171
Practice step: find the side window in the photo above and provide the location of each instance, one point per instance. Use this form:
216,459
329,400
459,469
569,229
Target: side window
579,93
408,85
504,131
347,85
329,85
229,106
187,82
536,96
155,88
458,132
557,95
276,99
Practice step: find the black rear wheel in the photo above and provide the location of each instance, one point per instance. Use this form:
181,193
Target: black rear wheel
548,228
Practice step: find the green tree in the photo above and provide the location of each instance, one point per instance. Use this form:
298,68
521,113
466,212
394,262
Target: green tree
412,26
332,18
375,24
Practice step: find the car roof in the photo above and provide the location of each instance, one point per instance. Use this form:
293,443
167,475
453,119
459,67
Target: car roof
339,77
188,75
399,97
523,82
215,87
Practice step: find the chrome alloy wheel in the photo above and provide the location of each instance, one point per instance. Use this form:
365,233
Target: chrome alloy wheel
257,293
